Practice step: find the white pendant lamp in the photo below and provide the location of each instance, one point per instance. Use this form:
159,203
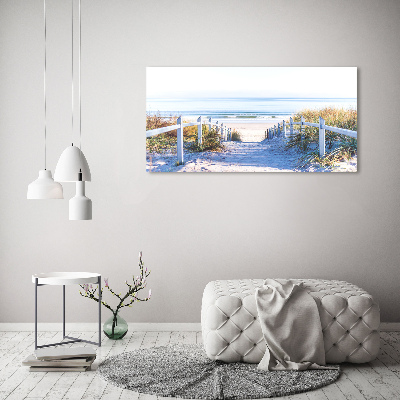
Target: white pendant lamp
72,161
80,206
44,186
72,165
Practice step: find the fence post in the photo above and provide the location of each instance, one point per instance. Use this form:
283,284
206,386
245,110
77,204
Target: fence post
199,131
321,137
279,128
222,131
291,126
209,124
284,128
230,134
302,127
217,127
179,144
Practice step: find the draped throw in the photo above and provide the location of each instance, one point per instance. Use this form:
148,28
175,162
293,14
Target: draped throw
291,327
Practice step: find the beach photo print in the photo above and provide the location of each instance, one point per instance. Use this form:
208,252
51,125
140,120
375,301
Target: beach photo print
251,119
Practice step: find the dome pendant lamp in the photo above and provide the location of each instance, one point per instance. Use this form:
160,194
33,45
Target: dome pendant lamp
44,186
72,165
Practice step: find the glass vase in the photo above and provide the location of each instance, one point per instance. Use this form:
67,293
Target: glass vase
115,327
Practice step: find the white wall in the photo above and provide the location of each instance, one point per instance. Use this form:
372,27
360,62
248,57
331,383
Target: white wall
192,228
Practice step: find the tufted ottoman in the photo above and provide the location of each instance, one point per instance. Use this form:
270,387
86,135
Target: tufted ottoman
231,330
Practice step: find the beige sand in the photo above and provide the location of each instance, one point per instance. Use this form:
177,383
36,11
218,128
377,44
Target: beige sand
251,132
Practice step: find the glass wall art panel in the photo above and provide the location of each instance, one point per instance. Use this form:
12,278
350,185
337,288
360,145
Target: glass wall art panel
251,119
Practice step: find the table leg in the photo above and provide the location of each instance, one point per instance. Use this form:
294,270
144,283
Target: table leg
100,297
36,286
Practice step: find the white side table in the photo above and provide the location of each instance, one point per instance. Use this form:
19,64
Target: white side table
66,278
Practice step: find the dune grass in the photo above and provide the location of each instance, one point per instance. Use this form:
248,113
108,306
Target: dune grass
211,140
338,147
235,137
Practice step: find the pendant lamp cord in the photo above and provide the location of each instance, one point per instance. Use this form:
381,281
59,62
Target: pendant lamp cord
79,79
72,68
79,88
79,75
44,83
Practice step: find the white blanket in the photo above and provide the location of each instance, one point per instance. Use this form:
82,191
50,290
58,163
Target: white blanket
291,327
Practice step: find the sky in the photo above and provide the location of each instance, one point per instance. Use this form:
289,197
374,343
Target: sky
225,82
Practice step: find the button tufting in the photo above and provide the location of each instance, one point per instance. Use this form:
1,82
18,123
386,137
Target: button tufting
331,296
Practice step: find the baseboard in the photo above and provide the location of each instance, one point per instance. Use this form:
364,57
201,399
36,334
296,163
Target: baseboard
138,327
390,326
92,327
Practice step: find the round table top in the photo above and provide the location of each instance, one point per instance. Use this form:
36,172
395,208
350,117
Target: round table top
66,278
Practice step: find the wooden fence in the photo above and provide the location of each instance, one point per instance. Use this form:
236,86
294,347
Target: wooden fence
281,130
226,133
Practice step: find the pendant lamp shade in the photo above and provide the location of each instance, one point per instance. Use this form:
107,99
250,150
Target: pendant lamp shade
80,206
44,187
71,161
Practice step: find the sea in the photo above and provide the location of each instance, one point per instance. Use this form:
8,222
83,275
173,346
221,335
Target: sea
249,109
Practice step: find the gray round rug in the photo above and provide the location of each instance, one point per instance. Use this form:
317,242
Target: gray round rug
185,371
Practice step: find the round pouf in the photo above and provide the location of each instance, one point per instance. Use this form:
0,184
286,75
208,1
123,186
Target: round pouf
185,371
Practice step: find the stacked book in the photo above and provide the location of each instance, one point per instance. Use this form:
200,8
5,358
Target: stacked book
77,359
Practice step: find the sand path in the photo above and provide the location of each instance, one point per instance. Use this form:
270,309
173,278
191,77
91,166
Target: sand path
266,156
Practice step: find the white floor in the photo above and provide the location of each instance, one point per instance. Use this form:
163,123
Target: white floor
379,379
